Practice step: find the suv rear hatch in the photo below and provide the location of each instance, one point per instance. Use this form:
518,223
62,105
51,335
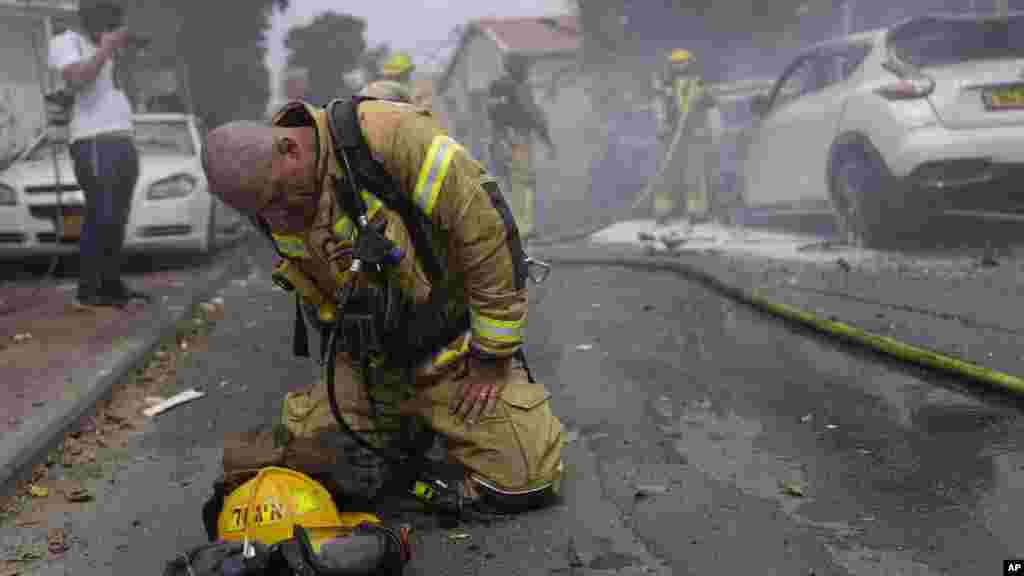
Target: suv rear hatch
977,64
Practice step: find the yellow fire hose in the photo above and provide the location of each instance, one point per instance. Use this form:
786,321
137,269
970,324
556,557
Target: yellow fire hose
893,348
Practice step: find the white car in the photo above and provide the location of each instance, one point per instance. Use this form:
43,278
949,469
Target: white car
732,117
171,207
887,128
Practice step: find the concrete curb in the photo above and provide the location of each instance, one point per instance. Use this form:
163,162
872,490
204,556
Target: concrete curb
846,333
28,447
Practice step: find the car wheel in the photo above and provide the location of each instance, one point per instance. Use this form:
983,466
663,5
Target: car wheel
859,184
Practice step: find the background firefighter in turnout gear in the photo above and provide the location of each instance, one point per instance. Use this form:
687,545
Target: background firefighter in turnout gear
681,107
515,117
472,386
395,82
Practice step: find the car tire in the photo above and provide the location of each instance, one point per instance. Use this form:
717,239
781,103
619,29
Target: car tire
861,190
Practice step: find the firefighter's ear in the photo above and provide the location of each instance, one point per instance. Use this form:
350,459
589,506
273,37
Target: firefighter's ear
286,146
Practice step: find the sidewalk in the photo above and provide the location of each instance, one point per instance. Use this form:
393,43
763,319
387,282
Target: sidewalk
955,304
57,361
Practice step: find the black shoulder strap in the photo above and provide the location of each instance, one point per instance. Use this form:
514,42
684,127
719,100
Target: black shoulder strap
353,153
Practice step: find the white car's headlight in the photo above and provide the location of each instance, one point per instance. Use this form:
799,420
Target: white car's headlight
7,195
177,186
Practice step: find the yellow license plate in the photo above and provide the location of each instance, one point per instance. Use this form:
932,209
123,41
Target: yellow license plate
72,226
1006,98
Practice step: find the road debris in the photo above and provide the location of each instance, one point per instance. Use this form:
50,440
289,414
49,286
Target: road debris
807,418
584,347
22,337
573,556
456,536
644,491
177,399
26,554
56,541
831,426
77,494
792,488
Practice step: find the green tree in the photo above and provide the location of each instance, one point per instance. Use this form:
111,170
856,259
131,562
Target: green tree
218,49
330,46
372,60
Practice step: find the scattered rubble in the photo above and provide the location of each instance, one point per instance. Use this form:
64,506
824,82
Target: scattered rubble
62,484
793,489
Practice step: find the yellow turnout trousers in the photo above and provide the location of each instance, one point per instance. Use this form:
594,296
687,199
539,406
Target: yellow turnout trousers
514,450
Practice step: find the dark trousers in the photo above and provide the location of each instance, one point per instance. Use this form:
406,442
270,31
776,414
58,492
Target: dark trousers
107,169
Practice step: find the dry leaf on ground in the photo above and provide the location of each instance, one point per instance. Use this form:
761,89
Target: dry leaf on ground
793,489
38,491
77,494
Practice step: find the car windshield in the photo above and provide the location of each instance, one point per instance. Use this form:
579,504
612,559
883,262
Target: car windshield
938,42
164,138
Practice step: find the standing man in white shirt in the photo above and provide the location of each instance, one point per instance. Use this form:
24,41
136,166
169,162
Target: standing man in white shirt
106,163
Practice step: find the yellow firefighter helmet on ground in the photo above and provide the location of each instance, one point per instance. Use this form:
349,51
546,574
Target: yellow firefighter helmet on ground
680,56
268,506
397,64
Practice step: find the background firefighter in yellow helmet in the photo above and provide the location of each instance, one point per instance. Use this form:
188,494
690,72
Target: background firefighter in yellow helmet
475,389
515,117
681,107
396,75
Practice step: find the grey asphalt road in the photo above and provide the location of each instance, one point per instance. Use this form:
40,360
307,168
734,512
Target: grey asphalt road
690,418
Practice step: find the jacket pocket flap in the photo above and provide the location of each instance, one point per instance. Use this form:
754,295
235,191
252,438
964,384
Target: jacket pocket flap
526,396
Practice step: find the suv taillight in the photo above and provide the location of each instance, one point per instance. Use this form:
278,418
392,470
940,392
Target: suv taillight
908,85
907,89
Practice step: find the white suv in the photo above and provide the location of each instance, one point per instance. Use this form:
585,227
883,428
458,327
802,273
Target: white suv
890,127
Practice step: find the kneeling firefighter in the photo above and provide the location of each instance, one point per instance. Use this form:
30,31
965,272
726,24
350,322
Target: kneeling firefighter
401,250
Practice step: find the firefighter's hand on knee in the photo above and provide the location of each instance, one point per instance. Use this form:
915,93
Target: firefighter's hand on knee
473,400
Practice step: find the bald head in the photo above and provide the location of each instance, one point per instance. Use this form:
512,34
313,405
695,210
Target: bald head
238,160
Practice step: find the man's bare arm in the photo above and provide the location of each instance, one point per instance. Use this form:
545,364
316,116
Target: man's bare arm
83,73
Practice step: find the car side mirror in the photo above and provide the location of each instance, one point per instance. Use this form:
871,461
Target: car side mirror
760,105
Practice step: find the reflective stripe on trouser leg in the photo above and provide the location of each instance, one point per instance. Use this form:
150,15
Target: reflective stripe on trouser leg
665,190
516,450
696,173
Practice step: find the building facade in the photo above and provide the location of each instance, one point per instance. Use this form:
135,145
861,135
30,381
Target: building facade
551,47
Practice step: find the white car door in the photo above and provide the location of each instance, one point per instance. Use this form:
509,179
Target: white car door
770,155
819,113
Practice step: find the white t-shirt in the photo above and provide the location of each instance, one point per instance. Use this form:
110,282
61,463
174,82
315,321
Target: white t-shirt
99,107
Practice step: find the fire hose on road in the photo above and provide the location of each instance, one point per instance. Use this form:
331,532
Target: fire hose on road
890,347
884,345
